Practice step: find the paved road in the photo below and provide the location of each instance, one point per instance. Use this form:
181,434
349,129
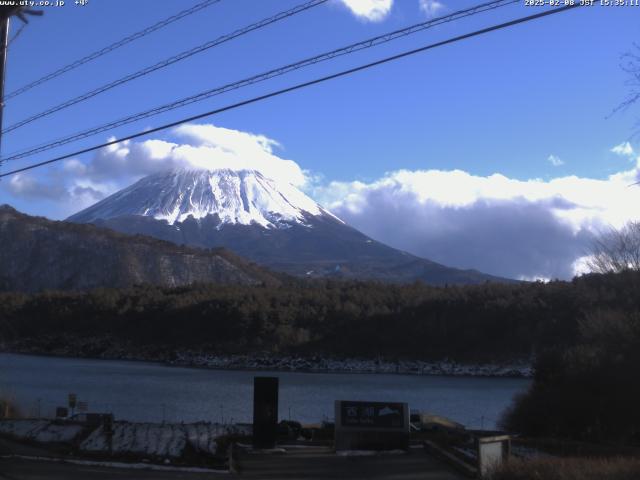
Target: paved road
308,463
37,470
320,463
19,469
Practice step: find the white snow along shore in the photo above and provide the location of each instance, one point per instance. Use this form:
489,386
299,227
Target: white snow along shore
41,430
158,440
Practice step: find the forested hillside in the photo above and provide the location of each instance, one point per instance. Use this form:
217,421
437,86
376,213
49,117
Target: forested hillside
465,323
39,254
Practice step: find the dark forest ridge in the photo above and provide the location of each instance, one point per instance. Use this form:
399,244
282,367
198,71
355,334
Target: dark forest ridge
474,323
42,254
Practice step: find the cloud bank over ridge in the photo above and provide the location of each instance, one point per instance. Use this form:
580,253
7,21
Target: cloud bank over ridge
517,228
520,229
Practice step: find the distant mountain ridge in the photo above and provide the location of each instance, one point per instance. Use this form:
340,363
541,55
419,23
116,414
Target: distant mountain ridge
273,224
40,254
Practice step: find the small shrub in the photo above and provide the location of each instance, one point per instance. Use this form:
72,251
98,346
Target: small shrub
570,469
588,391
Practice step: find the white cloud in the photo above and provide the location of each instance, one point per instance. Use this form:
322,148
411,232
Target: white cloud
27,187
431,7
74,167
624,149
581,265
76,184
525,278
203,147
555,160
516,228
370,10
214,147
610,199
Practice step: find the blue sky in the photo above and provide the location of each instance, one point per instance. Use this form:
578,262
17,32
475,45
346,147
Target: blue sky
511,103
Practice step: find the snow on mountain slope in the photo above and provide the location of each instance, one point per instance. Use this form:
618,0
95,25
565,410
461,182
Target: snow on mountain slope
242,197
270,223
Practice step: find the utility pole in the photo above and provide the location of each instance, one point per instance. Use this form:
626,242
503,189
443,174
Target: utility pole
4,44
5,15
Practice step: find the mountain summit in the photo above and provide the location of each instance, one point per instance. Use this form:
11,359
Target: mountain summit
244,197
271,223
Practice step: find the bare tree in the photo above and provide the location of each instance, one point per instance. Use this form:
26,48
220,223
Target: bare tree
616,250
630,63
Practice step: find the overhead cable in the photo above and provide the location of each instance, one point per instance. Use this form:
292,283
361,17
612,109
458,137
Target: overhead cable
365,44
298,86
166,62
110,48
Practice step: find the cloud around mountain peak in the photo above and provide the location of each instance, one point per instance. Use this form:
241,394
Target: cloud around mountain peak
204,147
530,228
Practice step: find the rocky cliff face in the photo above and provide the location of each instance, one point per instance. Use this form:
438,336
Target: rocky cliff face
40,254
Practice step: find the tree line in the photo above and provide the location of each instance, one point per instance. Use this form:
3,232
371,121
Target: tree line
416,321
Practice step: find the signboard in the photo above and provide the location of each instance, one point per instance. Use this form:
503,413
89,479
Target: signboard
372,414
73,400
371,425
265,412
83,406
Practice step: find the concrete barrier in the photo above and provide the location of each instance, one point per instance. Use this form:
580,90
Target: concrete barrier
492,452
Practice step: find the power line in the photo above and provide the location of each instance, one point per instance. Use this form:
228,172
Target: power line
6,12
300,86
365,44
169,61
112,47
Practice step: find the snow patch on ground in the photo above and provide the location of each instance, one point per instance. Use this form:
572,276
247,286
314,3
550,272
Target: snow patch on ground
146,440
40,430
158,440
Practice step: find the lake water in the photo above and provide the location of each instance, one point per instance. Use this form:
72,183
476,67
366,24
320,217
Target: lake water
152,392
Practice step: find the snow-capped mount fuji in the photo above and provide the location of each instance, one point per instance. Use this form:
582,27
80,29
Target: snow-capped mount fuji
273,224
244,197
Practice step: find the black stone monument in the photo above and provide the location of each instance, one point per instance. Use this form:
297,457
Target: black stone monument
265,412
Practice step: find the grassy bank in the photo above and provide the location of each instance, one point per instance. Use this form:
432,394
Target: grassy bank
621,468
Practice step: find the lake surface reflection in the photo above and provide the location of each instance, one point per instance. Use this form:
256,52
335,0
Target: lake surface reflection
152,392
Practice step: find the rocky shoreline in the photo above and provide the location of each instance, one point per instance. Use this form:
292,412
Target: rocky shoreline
279,362
316,364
